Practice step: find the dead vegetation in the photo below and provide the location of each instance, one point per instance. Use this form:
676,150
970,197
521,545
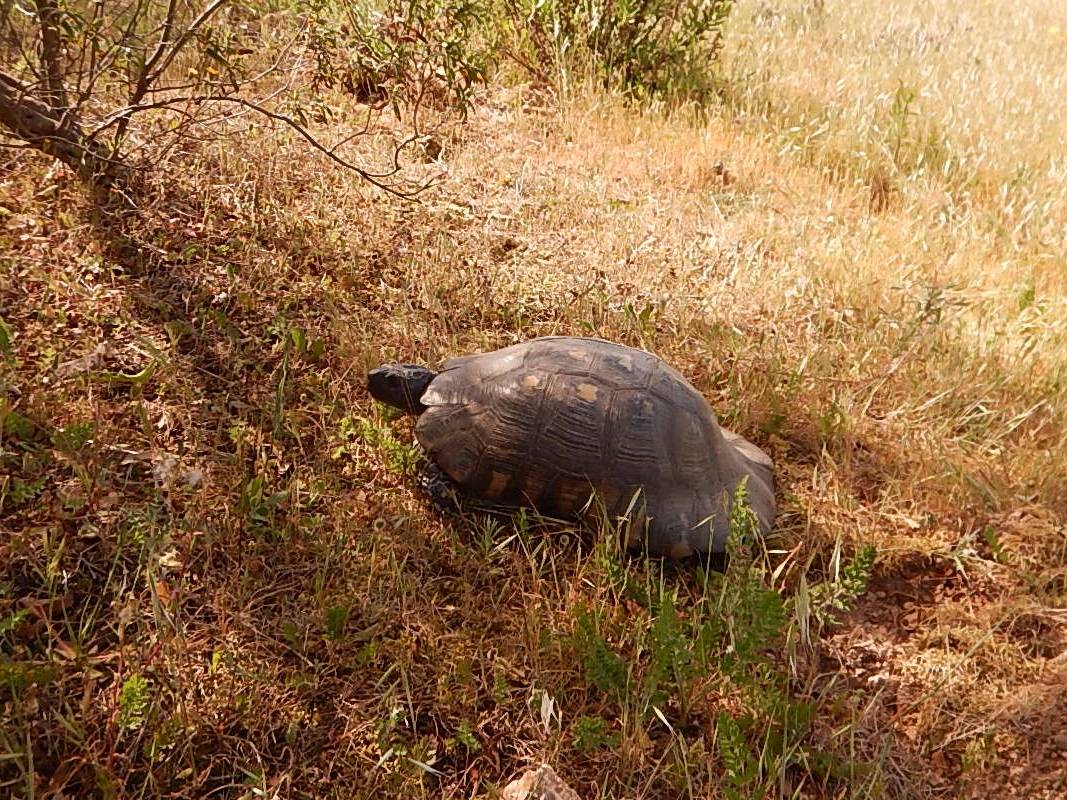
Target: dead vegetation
219,578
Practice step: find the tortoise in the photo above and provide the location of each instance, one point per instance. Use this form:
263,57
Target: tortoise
556,422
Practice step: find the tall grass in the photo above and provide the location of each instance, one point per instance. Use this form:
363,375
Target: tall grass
958,106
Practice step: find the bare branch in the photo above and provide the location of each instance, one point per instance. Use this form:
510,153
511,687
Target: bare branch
374,178
115,48
183,40
51,131
161,48
133,46
51,52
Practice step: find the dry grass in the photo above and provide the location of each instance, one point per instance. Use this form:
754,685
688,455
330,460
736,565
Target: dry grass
966,96
305,626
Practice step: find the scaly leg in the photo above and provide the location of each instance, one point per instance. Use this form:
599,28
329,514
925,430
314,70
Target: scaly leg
441,489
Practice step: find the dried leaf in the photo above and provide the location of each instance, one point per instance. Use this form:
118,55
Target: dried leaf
170,559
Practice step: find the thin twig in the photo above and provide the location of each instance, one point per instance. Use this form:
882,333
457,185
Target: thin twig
183,40
374,178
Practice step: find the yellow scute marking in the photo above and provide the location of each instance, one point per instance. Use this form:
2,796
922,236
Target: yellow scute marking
497,484
587,391
626,362
576,353
531,381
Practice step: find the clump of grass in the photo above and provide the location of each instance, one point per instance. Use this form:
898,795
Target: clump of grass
665,667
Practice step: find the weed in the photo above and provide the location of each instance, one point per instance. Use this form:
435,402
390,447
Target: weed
603,668
310,350
900,113
401,458
591,733
7,349
73,438
989,535
723,642
134,699
259,505
847,582
336,620
21,492
465,736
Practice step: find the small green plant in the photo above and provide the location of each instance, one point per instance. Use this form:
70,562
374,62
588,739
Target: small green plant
401,458
603,668
258,504
740,766
673,657
292,635
336,620
501,686
643,321
833,422
73,438
979,753
465,736
847,582
989,535
16,427
489,539
900,114
724,641
1026,297
591,733
11,621
309,350
134,698
22,491
6,349
16,676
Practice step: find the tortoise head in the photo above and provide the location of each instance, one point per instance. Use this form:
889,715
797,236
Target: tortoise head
400,385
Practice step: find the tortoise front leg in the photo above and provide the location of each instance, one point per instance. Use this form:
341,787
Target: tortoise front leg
443,492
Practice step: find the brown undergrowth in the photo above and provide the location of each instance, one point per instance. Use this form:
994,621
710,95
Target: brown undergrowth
218,577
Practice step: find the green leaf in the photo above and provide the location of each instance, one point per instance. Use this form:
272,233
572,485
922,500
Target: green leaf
336,619
603,668
135,379
133,701
72,438
6,348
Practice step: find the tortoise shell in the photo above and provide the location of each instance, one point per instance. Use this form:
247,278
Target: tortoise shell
557,421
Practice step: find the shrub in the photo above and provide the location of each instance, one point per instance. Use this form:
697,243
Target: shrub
644,48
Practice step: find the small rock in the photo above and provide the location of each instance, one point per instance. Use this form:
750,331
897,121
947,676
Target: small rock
539,784
94,360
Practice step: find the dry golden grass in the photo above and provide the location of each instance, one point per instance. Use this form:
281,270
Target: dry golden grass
986,118
307,627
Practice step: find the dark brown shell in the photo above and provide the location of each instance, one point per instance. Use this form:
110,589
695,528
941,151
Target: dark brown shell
554,421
